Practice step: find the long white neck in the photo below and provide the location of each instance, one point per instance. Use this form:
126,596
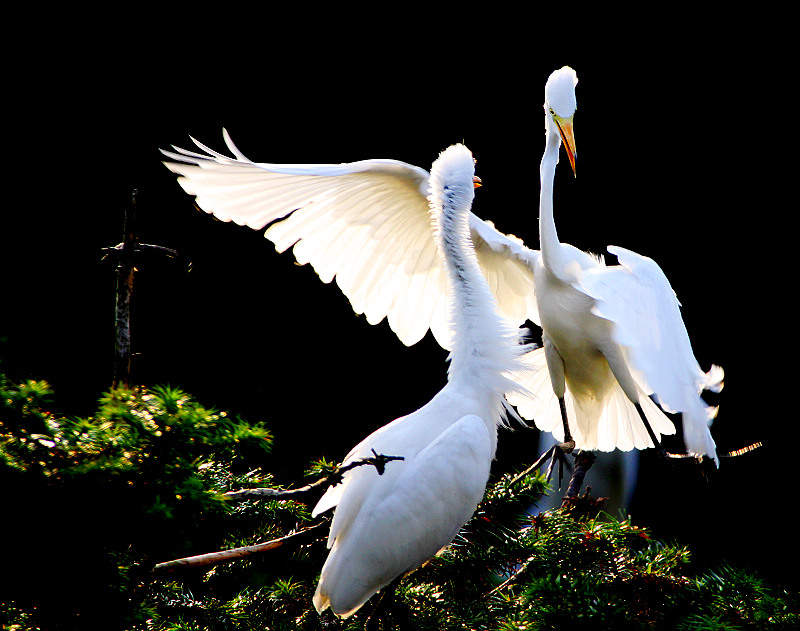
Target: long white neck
552,251
484,346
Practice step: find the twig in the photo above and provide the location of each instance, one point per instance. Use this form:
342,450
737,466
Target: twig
212,558
512,578
378,461
742,451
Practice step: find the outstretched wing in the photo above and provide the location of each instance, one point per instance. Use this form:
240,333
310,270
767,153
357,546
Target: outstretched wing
365,223
637,297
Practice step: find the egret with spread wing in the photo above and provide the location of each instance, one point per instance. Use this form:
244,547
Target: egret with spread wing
366,224
385,525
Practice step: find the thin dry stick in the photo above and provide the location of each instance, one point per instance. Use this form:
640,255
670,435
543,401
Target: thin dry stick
212,558
512,578
378,461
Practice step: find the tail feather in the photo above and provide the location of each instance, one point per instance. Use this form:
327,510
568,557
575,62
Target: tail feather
604,424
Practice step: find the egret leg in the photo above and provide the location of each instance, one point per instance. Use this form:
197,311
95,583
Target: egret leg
663,453
619,367
569,443
560,451
557,452
657,443
555,366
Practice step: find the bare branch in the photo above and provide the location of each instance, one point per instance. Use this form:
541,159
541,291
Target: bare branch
743,450
224,556
378,461
583,461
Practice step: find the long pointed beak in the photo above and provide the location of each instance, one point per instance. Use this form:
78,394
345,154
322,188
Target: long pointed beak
568,138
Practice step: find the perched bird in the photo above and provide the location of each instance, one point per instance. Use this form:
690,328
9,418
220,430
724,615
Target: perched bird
612,335
385,525
620,344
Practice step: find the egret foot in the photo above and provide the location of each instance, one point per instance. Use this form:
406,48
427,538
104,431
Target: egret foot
555,453
560,452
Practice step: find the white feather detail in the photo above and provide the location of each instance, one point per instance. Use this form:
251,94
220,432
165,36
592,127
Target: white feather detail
609,423
639,300
375,208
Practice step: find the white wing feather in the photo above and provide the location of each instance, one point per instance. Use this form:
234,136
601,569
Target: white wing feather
365,223
637,297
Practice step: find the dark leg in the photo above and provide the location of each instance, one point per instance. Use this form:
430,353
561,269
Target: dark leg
560,451
650,432
663,453
569,443
556,452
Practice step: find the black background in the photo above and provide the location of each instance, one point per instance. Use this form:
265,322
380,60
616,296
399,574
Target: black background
681,157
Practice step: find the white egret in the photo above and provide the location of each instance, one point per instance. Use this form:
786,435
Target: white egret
386,525
366,224
612,335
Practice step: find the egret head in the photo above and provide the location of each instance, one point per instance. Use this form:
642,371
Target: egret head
560,106
453,177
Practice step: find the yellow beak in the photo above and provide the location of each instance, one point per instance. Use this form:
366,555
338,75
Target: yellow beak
568,138
476,181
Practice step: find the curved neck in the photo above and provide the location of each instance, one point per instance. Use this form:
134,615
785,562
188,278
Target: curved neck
549,244
482,345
